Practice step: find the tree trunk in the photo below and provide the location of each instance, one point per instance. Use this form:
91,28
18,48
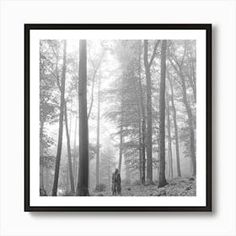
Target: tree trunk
142,121
72,185
144,152
42,177
121,129
176,130
138,95
82,186
190,123
41,155
121,143
67,180
169,139
192,75
41,137
74,149
149,113
162,178
109,173
75,158
60,135
91,102
96,68
140,149
47,178
98,135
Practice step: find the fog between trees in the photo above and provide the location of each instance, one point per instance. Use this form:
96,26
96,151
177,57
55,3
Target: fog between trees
126,104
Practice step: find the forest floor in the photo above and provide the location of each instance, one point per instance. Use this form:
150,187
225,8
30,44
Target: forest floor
175,187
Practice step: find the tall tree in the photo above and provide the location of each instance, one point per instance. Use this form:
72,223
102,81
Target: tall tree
60,135
190,124
162,178
140,116
75,159
48,103
120,145
121,127
72,185
169,137
75,150
82,186
142,125
178,65
175,128
98,132
147,65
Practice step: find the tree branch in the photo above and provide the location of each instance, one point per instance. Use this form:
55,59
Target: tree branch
93,80
154,53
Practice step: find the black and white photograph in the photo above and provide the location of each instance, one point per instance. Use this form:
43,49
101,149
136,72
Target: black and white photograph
116,116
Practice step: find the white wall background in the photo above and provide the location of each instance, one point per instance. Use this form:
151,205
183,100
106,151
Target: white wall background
13,220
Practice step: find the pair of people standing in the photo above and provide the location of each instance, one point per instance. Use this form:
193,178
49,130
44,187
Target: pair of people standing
116,183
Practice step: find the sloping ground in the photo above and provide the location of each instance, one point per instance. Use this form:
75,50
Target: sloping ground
175,187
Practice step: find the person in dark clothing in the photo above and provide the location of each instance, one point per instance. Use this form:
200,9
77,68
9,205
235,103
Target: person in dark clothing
113,184
116,183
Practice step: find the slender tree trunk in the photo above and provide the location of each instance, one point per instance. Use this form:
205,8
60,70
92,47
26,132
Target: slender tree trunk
176,130
149,113
42,177
96,68
162,178
144,152
74,149
72,185
192,76
121,129
41,155
67,180
76,134
91,102
98,136
169,139
138,96
139,129
190,124
70,129
142,121
83,175
41,137
109,173
121,144
140,149
60,135
47,179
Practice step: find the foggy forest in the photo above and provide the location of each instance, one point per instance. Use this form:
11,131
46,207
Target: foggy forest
117,117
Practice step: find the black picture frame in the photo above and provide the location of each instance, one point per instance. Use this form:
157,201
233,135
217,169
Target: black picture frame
207,28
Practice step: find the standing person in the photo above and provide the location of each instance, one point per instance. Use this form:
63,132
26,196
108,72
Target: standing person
113,183
116,183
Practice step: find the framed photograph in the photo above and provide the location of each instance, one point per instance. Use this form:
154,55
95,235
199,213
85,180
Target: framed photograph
118,117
